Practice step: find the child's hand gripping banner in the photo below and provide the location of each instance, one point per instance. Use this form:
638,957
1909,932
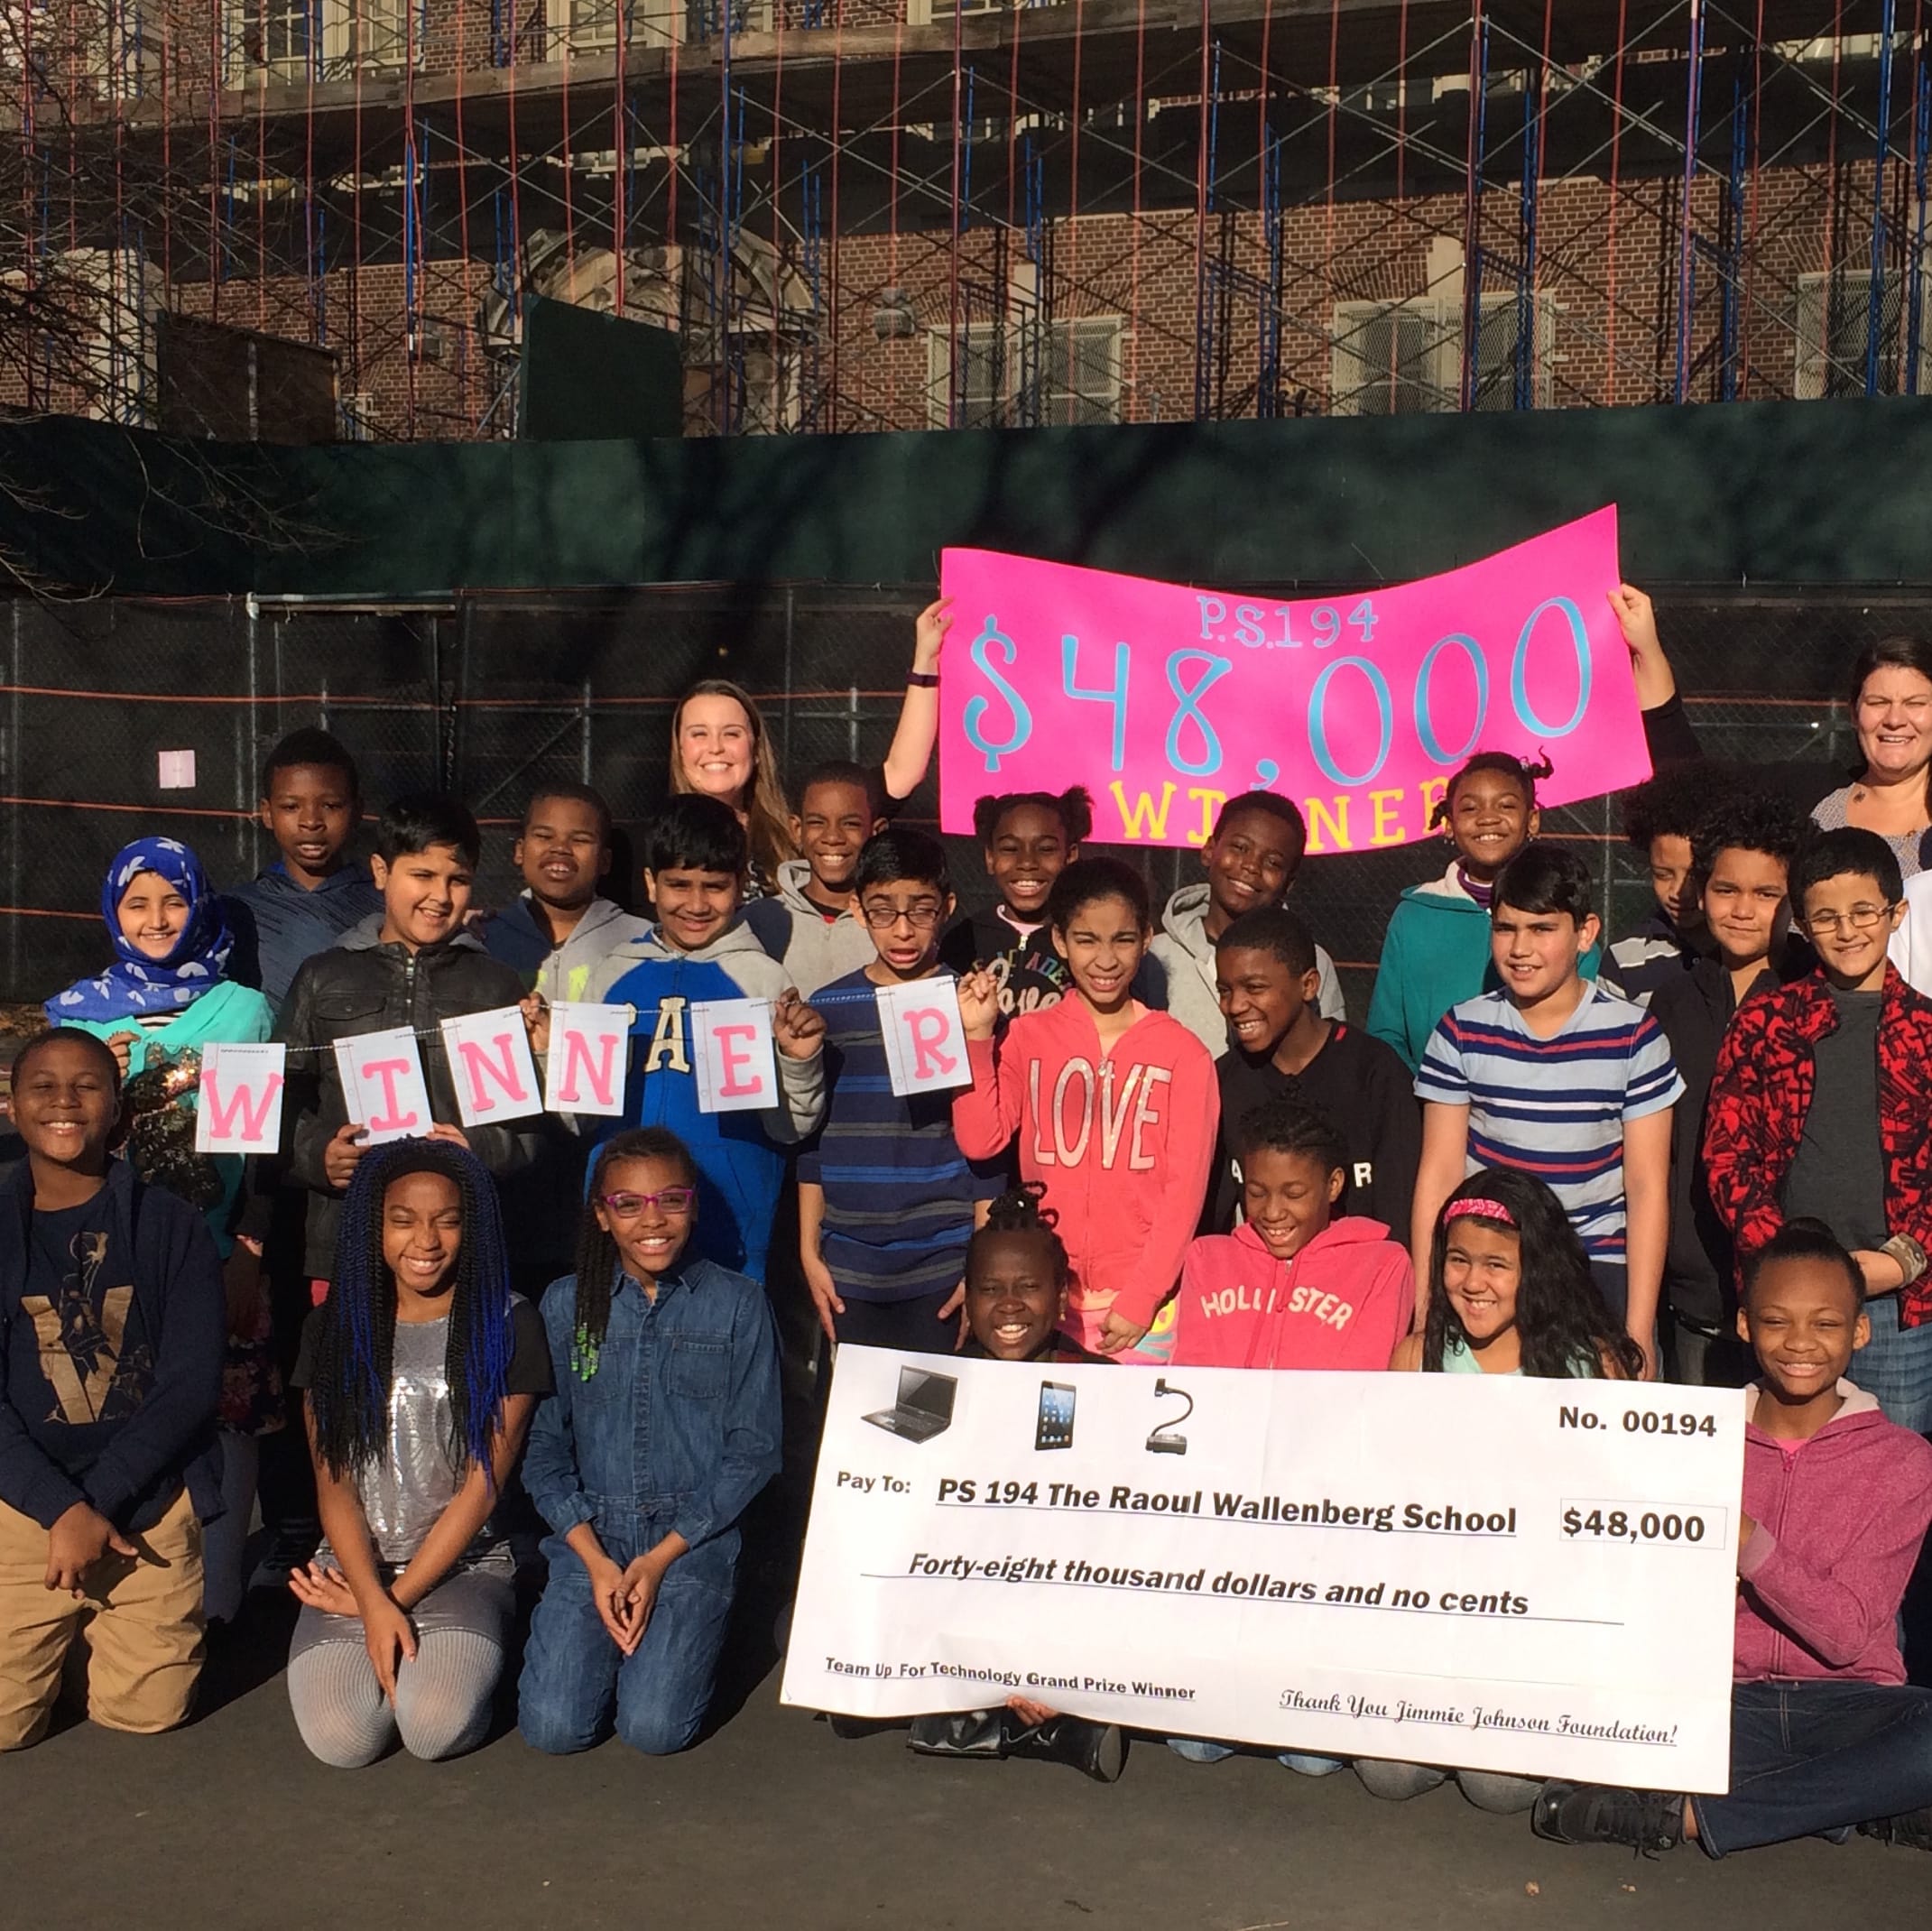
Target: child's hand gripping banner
1165,700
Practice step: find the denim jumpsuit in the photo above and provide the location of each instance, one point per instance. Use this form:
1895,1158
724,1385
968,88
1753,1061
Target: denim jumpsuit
677,1429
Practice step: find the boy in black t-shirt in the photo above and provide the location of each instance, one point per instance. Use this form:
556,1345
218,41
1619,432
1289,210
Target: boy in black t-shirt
1267,982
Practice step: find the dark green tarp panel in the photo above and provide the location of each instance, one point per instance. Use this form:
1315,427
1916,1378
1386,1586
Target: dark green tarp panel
597,378
1792,494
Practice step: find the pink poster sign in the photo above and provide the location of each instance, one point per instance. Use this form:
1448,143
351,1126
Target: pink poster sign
1165,700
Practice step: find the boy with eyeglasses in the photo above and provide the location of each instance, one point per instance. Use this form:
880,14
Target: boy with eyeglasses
1819,1108
886,1200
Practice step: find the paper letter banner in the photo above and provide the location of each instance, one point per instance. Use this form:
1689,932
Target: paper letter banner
925,1039
590,1049
491,1063
1164,701
731,1040
239,1110
382,1084
1290,1560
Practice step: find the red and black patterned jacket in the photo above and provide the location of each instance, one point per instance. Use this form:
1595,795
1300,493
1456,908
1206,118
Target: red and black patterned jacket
1762,1092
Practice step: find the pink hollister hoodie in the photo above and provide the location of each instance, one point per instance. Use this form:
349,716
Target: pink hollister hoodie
1343,1301
1123,1140
1840,1520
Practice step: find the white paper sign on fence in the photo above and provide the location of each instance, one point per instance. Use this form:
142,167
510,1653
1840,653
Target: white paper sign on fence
1292,1560
382,1084
590,1049
491,1063
239,1107
732,1041
925,1039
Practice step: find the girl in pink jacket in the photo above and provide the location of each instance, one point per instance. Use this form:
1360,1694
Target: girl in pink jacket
1114,1106
1291,1287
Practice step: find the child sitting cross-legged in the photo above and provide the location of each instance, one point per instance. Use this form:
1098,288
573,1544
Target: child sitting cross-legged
1826,1735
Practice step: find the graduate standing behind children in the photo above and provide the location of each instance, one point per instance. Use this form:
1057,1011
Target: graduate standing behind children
421,1371
110,1367
1113,1104
166,995
886,1200
664,1430
701,948
1251,859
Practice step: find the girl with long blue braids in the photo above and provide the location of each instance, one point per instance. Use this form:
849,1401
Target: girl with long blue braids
165,995
421,1371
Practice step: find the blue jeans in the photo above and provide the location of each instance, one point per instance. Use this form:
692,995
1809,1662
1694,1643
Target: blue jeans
578,1686
1812,1757
1895,1367
1201,1750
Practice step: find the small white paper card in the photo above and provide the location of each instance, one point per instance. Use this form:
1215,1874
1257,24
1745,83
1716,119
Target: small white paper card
590,1052
175,770
240,1109
491,1063
925,1039
731,1042
382,1084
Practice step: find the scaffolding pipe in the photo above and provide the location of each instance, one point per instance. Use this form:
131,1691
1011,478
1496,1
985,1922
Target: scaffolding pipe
1686,253
1881,238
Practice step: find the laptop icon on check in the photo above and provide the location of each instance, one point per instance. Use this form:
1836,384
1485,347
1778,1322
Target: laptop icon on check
924,1408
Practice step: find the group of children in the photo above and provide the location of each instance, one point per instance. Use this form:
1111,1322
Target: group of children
1702,1153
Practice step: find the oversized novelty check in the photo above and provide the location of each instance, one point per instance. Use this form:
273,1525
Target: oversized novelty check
1522,1575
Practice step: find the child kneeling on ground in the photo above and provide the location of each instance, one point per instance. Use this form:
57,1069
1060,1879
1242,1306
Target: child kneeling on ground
664,1430
1825,1733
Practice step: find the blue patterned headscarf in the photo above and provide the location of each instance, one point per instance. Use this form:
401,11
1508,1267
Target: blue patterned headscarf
134,983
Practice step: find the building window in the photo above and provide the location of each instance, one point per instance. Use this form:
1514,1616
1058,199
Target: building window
1025,374
296,41
1834,330
1405,358
590,26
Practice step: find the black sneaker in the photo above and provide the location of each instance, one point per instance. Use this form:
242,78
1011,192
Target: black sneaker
1648,1821
1914,1830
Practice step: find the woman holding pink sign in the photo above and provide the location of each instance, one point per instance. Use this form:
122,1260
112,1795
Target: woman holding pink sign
164,997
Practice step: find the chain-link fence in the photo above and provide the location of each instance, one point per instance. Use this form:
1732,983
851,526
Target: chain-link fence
493,694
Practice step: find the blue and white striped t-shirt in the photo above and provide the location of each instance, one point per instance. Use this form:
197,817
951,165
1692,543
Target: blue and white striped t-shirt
1555,1107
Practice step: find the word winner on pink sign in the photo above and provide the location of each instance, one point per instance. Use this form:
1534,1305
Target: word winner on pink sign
1166,700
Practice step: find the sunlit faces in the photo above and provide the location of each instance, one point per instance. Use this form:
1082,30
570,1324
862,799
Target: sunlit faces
1850,922
425,894
1012,1301
562,853
153,915
904,917
65,1102
311,812
1742,898
1537,953
1894,719
1481,1269
1287,1198
1104,945
422,1233
717,746
1029,851
1672,880
1250,860
693,906
833,824
648,1206
1261,998
1490,820
1804,1322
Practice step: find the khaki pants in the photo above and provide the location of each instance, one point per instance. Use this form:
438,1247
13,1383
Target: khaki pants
141,1621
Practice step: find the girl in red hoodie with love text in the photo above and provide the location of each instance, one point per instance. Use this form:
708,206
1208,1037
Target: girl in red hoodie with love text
1293,1287
1114,1106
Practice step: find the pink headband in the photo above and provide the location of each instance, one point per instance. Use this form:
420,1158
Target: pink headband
1475,1209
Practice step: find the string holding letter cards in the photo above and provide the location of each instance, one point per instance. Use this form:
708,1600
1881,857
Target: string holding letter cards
731,1040
240,1106
590,1047
382,1084
925,1039
490,1064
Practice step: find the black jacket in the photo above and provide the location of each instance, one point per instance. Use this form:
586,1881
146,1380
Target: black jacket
362,986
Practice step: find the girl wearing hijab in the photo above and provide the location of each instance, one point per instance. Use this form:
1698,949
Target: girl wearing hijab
161,1000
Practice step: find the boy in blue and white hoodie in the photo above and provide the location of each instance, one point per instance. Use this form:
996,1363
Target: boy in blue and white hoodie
701,949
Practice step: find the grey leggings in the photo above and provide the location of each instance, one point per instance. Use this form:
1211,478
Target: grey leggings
443,1698
1396,1783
